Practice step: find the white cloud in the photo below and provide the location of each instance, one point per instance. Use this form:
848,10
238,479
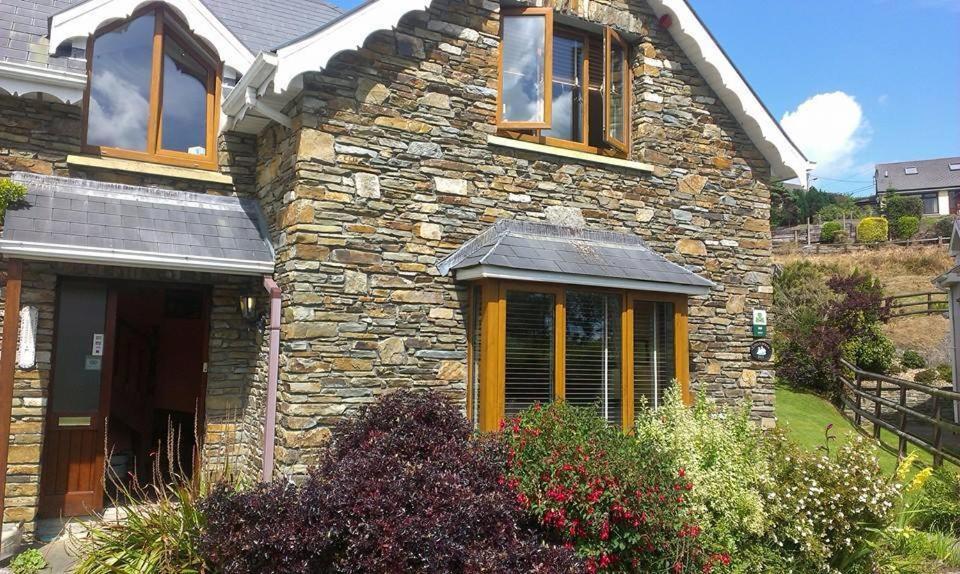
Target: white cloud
830,129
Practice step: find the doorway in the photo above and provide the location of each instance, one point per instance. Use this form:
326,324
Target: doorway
127,390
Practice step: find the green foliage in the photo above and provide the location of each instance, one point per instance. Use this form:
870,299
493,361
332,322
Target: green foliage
602,491
944,226
937,505
872,230
913,360
28,562
905,227
790,206
831,232
725,459
945,372
843,207
871,350
896,206
927,376
11,193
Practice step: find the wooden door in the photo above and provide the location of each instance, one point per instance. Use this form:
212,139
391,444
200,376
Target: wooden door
72,465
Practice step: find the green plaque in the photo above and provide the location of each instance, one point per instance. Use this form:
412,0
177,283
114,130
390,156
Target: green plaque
759,331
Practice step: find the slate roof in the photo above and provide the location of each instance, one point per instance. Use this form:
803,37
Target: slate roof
932,174
113,219
541,247
261,25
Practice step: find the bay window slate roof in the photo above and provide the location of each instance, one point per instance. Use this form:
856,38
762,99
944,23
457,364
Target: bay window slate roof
77,215
553,249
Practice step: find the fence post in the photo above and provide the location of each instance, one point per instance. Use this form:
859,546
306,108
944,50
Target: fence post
937,433
809,233
859,384
877,410
902,445
929,302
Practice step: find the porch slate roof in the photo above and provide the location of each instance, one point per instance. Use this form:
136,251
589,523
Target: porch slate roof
552,253
89,221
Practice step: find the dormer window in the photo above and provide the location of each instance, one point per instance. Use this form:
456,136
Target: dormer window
133,68
562,85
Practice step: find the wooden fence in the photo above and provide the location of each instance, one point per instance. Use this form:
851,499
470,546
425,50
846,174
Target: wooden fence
867,394
925,303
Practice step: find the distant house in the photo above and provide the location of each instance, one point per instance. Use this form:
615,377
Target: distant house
935,181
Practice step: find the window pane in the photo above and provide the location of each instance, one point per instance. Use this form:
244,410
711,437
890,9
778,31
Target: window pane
567,113
523,52
592,362
476,318
529,350
617,127
185,96
654,367
931,204
81,315
120,86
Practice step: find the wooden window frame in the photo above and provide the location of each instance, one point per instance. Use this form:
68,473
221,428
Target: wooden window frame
611,38
547,14
492,364
154,151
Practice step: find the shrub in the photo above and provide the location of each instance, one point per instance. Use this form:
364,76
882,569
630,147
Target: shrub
28,562
944,227
927,376
937,505
725,459
905,227
896,206
11,193
162,536
871,350
913,360
607,494
945,372
831,232
823,505
872,230
404,488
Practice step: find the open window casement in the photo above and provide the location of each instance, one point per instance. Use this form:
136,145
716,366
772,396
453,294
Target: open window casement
526,69
616,89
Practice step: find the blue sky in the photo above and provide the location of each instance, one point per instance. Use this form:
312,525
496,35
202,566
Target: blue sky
855,82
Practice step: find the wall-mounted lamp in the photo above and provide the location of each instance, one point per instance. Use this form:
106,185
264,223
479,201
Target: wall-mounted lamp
248,308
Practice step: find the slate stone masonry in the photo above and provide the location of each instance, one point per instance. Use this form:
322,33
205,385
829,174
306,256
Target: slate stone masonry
388,170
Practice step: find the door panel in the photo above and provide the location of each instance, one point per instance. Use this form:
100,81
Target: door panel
72,464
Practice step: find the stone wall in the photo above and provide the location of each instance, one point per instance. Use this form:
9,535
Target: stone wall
393,171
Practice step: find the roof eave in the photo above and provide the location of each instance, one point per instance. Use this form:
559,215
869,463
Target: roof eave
512,274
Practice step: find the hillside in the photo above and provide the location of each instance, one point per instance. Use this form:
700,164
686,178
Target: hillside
902,270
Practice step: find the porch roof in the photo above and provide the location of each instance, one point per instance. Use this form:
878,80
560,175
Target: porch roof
85,221
554,254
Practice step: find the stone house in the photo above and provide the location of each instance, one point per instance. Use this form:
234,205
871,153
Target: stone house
260,216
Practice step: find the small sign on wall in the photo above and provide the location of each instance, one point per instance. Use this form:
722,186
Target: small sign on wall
759,323
761,351
97,345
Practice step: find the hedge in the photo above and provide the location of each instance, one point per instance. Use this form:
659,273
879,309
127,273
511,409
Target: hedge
872,230
831,232
905,227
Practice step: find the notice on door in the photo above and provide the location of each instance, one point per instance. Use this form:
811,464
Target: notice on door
97,345
92,363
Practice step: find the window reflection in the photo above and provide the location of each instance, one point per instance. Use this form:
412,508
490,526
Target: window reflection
184,118
617,91
567,110
119,107
523,54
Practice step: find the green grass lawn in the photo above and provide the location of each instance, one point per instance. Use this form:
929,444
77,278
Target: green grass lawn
807,416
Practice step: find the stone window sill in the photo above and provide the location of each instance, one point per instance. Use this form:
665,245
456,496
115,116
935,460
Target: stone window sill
149,168
568,153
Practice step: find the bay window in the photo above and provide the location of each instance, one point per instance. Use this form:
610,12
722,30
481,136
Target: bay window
561,85
612,350
152,92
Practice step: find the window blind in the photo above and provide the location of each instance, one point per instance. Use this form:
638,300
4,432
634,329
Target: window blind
593,351
653,352
529,350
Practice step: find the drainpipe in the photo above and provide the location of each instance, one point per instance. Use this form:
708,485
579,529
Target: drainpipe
273,368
